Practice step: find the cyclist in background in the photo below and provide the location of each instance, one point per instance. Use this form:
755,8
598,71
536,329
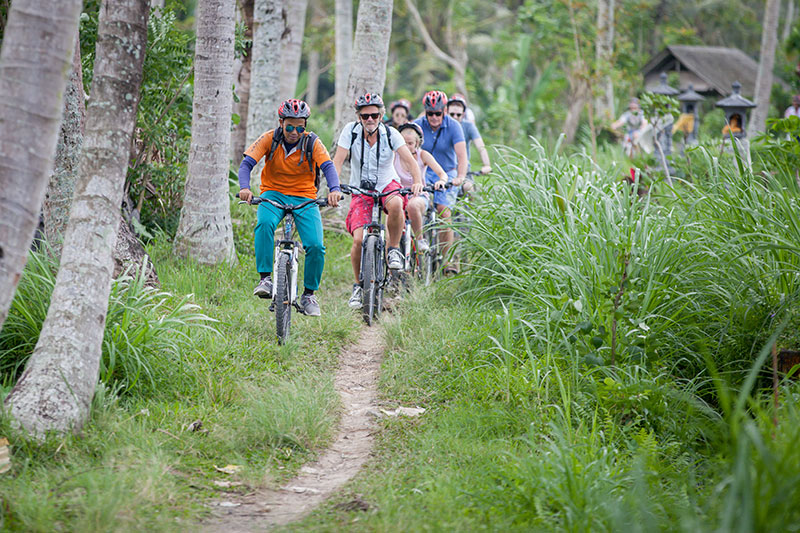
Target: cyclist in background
372,146
418,205
444,139
457,109
293,158
401,113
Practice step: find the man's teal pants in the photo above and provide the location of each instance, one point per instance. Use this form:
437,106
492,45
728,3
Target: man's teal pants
309,226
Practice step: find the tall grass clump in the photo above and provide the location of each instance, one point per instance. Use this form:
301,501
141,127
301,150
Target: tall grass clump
611,277
147,337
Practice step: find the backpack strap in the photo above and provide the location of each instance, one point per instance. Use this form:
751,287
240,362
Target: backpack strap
307,150
277,137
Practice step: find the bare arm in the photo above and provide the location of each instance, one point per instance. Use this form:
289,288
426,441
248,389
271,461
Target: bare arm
429,160
487,165
413,168
339,157
463,163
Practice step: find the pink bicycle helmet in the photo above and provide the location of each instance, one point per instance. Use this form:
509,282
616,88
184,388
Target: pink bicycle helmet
458,98
294,108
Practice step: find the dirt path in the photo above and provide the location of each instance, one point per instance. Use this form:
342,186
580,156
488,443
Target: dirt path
356,382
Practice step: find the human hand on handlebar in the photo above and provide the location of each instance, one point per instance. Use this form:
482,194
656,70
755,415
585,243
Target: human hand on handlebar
440,185
458,181
416,189
333,198
245,195
486,169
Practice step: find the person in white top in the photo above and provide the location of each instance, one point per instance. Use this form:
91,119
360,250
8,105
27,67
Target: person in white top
794,109
372,146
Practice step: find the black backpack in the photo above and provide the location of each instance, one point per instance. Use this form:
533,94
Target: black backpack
306,149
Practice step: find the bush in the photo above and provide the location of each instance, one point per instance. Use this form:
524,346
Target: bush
146,339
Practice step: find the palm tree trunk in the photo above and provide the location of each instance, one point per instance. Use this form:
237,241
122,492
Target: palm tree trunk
370,52
35,59
604,51
292,48
56,389
344,54
239,134
204,230
62,183
312,93
267,30
766,62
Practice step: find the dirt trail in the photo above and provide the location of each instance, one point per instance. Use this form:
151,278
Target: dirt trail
357,383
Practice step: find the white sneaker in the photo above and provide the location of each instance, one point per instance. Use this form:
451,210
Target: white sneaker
263,289
395,260
355,299
422,245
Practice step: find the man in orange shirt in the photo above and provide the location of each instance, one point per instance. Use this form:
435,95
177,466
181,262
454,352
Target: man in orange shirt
293,157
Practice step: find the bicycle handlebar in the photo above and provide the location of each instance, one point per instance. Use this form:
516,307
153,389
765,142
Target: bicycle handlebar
256,200
405,191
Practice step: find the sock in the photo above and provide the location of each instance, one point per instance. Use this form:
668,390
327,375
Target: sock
307,291
266,275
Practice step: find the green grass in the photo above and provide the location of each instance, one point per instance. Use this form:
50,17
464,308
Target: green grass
267,408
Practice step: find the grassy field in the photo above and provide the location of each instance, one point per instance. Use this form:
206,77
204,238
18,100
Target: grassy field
265,408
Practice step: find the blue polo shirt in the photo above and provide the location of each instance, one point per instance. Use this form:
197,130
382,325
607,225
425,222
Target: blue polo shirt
470,133
449,133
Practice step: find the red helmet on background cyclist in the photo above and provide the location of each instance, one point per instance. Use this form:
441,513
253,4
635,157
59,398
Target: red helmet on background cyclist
458,98
369,99
434,101
400,103
294,108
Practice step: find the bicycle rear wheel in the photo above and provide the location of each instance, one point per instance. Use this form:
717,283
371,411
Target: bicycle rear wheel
370,303
283,293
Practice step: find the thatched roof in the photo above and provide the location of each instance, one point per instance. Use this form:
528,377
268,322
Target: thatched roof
719,67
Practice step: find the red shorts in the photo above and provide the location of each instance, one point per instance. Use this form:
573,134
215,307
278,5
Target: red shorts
361,207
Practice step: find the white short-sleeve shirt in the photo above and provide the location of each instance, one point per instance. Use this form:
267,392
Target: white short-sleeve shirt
374,164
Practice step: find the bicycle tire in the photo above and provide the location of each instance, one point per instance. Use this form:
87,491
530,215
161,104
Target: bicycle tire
369,280
283,307
430,258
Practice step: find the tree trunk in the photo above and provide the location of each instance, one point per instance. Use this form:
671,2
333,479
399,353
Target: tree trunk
204,230
579,96
37,52
604,51
312,93
62,183
56,389
370,52
268,27
239,134
769,42
788,22
292,47
344,54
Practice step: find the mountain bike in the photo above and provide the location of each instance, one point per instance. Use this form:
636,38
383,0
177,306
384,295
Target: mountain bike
284,269
374,270
431,261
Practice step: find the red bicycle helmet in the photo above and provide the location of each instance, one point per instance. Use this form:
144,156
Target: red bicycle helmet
458,98
294,108
400,103
434,101
368,99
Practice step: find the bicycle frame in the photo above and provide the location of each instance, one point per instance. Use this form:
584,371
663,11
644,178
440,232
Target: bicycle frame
290,247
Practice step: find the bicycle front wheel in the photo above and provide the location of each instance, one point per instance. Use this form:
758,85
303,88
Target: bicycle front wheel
371,291
283,293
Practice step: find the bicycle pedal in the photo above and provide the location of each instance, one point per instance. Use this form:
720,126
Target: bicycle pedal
272,306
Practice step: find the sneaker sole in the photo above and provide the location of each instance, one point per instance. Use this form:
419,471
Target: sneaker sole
263,294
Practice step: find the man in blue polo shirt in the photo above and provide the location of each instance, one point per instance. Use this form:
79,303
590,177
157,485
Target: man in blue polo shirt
444,139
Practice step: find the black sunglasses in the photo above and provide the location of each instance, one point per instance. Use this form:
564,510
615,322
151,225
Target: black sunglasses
289,128
365,116
456,115
433,113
